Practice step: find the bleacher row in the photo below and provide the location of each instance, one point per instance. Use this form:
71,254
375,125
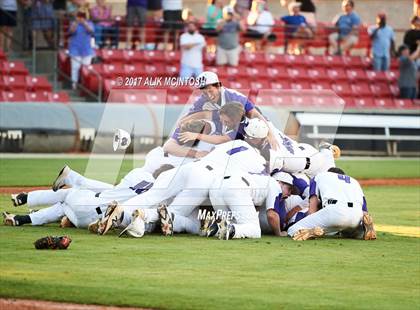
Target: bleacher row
289,78
17,85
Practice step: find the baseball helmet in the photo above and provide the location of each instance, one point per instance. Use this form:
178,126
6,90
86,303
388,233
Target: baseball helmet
256,128
207,78
121,140
283,177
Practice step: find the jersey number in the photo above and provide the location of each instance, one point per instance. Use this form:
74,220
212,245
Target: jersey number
344,178
142,187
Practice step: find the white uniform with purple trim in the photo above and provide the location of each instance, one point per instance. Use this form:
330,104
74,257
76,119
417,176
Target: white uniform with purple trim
190,183
342,201
301,157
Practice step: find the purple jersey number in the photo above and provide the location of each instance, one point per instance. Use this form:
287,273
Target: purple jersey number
344,178
141,187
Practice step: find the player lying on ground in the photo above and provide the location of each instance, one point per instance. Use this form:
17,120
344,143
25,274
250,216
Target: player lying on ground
336,205
77,205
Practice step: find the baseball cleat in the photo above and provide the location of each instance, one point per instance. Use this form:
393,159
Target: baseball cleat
9,219
213,228
310,233
205,226
94,226
336,151
60,180
136,228
370,233
226,230
19,199
166,221
66,223
112,219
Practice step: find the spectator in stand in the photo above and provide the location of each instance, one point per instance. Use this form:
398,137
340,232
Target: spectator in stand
43,20
214,14
348,29
76,6
136,17
192,44
382,37
80,49
307,10
297,29
172,20
155,7
260,24
105,29
228,47
413,35
407,81
8,12
242,7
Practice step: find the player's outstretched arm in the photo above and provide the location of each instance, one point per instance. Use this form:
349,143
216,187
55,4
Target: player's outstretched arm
173,148
196,115
213,139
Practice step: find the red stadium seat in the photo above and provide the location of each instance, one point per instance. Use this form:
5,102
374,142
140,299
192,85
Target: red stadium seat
357,75
239,84
259,72
259,85
14,96
134,70
155,69
220,71
376,76
173,57
337,74
14,67
403,103
178,98
2,55
275,59
381,90
38,96
280,85
321,85
113,70
298,85
112,56
270,97
354,62
317,74
392,76
252,59
132,57
341,89
395,90
64,62
384,103
361,89
278,73
15,82
298,73
312,61
209,59
365,103
235,72
38,83
334,62
144,96
59,97
89,79
172,70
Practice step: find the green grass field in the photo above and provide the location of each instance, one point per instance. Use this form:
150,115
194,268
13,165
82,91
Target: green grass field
188,272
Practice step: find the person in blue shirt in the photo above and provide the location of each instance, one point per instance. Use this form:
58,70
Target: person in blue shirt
348,30
296,27
80,49
382,37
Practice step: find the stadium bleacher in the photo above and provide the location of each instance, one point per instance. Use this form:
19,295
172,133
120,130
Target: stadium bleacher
17,85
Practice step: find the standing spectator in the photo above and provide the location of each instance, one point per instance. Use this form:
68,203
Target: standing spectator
348,29
260,23
80,49
214,14
136,16
307,10
76,6
382,37
43,20
407,81
228,47
172,20
155,6
105,28
413,35
297,29
192,44
8,9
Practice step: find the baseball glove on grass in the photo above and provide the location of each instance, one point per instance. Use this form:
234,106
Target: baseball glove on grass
53,243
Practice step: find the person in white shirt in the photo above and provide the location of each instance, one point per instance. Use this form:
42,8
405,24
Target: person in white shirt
192,44
260,22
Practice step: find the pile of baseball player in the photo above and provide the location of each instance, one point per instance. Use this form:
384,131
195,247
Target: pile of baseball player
225,172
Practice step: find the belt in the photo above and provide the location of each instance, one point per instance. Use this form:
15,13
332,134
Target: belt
333,202
308,163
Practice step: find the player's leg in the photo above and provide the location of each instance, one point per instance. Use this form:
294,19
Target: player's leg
40,217
71,178
189,224
154,159
331,219
46,197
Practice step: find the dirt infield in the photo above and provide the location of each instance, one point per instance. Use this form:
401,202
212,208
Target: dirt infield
27,304
366,182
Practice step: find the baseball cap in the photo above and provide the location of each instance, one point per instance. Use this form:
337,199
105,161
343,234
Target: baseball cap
292,5
283,177
229,10
207,78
